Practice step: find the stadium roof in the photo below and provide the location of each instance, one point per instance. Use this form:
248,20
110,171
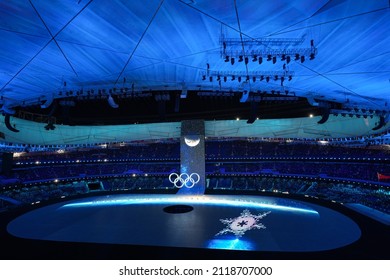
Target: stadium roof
328,51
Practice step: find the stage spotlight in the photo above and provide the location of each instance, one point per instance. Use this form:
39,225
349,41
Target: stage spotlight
269,57
302,58
289,78
233,78
211,78
283,57
247,78
254,79
227,58
232,60
240,58
288,59
261,77
218,78
297,56
274,60
254,58
267,79
312,56
225,79
281,81
260,60
203,77
246,60
239,79
276,77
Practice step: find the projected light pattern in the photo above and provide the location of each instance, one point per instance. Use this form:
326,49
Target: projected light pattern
293,226
248,202
192,141
241,224
192,156
231,244
184,180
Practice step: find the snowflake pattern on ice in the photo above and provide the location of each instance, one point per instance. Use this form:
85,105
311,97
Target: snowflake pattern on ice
241,224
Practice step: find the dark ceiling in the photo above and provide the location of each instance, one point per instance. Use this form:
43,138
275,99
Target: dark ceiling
197,105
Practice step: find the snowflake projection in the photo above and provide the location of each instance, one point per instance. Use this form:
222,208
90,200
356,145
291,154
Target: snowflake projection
241,224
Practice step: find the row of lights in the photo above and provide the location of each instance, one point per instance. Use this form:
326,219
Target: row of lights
231,53
250,77
269,57
241,158
94,161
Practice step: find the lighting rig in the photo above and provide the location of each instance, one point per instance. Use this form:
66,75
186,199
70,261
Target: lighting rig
255,96
254,76
266,49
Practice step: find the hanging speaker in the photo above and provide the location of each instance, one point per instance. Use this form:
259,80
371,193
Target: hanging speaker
8,124
382,123
111,102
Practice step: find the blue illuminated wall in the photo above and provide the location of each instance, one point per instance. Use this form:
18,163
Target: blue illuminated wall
192,154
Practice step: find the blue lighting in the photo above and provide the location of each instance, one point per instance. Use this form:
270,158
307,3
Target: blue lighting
247,202
231,244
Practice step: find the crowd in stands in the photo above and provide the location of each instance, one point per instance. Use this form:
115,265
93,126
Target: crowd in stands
247,149
39,193
372,196
232,165
352,170
214,150
43,173
135,152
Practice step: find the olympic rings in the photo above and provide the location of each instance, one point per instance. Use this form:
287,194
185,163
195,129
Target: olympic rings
184,179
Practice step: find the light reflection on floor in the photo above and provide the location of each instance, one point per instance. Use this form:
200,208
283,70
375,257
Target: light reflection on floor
231,243
140,220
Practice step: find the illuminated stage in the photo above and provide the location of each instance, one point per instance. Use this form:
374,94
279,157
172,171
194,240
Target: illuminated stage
237,223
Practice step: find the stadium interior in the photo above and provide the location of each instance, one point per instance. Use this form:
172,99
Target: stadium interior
139,131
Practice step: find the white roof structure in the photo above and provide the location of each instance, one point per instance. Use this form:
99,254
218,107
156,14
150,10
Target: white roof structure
52,47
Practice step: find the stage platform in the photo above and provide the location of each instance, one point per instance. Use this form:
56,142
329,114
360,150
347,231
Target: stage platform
172,226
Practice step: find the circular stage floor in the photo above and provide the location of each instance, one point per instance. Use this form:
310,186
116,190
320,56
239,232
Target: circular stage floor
242,223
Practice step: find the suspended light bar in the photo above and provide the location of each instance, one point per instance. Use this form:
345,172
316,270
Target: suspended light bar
256,49
282,76
227,42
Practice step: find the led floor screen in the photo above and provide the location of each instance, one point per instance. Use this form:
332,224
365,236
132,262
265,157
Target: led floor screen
216,222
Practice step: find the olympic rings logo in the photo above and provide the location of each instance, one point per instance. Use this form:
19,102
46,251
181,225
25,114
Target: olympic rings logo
184,180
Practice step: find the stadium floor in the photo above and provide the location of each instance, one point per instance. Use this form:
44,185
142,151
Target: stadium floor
213,226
